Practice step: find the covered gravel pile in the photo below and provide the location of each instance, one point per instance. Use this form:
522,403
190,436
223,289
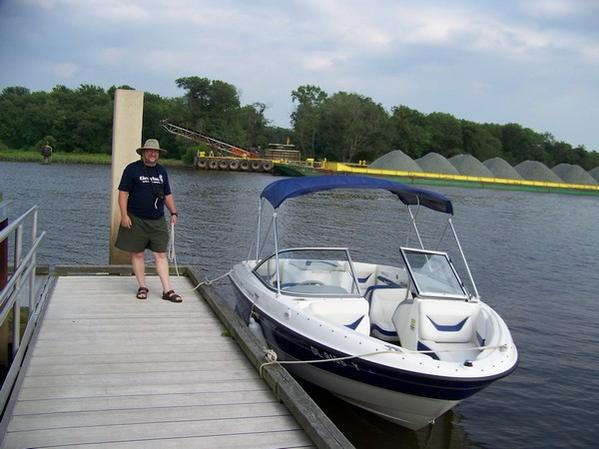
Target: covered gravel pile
468,165
501,168
435,163
574,174
536,171
396,160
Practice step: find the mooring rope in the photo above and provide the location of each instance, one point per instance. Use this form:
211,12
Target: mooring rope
271,356
171,253
172,257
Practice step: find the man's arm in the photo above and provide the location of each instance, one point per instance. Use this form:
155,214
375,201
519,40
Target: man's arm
169,202
123,200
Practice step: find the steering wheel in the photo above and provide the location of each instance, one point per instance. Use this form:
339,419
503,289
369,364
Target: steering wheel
311,282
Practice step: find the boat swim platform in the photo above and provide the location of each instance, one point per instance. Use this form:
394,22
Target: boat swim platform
107,370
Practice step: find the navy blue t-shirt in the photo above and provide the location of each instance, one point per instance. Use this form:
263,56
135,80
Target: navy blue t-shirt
147,187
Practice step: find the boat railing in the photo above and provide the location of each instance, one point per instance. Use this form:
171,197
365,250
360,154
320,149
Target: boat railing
22,277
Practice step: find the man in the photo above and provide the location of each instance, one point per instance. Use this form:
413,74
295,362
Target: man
144,190
47,153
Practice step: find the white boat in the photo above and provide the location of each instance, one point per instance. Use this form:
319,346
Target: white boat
406,342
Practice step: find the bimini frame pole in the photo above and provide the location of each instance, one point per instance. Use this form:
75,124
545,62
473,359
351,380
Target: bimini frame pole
276,235
455,236
259,228
413,219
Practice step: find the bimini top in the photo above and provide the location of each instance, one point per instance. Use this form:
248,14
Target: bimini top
279,191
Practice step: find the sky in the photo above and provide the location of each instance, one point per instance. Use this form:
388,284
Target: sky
533,62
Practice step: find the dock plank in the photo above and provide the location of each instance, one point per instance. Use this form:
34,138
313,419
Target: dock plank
108,370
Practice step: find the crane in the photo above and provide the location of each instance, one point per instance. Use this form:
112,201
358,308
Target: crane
215,144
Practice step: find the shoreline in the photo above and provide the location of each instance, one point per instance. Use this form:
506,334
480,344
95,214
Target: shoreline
72,158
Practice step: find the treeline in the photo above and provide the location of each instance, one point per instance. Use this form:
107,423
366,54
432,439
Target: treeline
343,126
351,127
80,120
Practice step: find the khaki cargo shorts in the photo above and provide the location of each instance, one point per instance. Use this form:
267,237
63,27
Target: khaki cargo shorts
144,234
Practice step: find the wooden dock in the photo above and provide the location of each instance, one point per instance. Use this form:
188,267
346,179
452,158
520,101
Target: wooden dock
107,370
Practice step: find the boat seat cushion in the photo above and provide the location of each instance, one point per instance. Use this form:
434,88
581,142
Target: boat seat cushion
447,321
351,313
383,303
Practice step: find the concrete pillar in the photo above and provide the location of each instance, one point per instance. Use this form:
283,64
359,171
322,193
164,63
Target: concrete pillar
126,138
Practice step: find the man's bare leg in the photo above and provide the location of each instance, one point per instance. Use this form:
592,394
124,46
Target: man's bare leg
162,270
139,268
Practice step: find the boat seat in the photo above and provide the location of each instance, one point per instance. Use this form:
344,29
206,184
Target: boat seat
383,302
351,313
447,321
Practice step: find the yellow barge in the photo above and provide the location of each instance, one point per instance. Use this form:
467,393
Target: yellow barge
413,177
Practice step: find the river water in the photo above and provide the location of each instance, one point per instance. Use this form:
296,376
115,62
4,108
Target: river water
533,255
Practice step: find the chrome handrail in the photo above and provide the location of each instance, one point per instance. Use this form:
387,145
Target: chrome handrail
23,272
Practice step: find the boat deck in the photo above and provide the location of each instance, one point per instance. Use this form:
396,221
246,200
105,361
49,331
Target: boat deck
108,370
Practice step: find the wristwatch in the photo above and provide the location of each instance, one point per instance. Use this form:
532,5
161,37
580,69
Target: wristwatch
174,213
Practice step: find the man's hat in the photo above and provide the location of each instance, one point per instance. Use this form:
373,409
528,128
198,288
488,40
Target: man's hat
151,144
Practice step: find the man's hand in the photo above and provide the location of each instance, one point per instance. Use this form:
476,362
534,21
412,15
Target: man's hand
126,221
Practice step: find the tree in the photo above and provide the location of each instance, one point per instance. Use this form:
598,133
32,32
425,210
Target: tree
352,124
479,142
409,131
251,118
212,106
445,134
306,117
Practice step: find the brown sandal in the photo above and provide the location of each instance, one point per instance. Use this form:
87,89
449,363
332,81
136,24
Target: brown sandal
171,296
142,293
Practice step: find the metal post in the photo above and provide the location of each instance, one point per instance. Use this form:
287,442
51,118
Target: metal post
274,218
4,243
259,228
16,308
413,219
18,246
455,236
33,262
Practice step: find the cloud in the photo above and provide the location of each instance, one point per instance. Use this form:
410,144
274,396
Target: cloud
486,60
61,70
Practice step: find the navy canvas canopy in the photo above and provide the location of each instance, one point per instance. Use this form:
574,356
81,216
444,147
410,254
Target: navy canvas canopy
277,192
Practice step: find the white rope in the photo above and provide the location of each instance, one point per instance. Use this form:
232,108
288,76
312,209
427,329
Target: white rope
171,253
172,257
208,282
271,356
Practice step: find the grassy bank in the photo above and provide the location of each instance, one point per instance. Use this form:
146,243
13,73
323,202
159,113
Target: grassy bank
70,158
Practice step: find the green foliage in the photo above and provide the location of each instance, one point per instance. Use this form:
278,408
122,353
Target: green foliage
349,127
352,124
307,116
342,126
188,156
409,132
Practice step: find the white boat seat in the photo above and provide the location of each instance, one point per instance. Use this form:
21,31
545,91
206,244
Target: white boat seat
384,283
447,321
383,302
351,313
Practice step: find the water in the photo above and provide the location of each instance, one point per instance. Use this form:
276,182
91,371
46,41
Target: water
534,257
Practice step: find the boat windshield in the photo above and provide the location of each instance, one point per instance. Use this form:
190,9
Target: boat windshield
310,271
433,274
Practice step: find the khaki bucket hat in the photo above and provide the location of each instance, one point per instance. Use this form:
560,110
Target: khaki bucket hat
151,144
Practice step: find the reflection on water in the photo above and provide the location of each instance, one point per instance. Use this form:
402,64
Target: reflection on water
366,430
533,256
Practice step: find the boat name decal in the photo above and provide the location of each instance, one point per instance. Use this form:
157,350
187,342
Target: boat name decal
326,355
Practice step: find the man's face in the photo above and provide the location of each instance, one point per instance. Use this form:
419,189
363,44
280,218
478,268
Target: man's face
150,157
